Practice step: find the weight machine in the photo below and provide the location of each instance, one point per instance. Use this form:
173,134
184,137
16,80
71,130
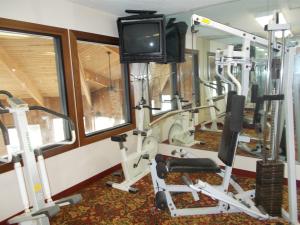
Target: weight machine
34,183
227,202
242,201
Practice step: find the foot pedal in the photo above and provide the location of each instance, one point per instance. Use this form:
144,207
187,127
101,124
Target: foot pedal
109,183
146,156
71,200
118,173
161,200
133,190
49,211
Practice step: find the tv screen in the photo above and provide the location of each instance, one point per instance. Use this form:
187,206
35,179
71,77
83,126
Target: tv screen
142,38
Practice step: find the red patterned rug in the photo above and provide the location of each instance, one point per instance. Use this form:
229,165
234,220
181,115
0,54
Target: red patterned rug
104,205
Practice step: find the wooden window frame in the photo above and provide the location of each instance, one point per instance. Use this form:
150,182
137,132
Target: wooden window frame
62,34
100,135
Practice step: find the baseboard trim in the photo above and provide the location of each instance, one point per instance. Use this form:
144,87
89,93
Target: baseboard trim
75,188
87,182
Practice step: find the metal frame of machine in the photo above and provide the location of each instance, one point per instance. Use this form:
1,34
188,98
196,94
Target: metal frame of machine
135,165
34,183
286,82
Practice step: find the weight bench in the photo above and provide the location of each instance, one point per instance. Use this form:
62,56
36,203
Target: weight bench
227,202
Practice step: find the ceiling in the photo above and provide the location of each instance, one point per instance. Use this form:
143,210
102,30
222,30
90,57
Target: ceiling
237,13
117,7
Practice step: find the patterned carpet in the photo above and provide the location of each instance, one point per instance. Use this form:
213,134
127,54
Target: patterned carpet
212,141
107,206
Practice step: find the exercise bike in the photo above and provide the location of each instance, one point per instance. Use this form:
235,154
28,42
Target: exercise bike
136,165
182,131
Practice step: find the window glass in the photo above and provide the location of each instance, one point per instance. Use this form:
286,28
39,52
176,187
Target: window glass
160,89
186,78
31,69
105,100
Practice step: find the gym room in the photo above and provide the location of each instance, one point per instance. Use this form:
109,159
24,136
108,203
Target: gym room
120,112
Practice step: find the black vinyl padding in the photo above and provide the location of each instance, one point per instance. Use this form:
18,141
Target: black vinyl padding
194,165
119,138
257,115
229,100
233,123
228,142
237,112
254,93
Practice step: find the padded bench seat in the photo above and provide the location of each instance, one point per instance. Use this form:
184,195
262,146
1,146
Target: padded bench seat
194,165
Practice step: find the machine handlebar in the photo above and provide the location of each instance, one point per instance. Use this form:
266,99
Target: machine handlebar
146,106
62,116
5,134
7,93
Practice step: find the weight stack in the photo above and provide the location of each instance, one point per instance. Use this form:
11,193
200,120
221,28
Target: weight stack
269,186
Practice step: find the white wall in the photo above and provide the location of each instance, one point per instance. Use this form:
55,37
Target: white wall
60,13
65,170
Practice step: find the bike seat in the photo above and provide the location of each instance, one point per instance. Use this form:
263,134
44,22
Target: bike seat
119,138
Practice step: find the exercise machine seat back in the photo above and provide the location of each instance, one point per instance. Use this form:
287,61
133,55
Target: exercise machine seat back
232,127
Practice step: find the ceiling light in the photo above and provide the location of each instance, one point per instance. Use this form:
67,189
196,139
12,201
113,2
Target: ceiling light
264,20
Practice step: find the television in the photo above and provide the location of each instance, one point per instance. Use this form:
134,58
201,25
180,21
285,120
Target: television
142,38
175,40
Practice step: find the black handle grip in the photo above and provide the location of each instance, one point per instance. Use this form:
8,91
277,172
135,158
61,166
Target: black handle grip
210,86
136,107
273,97
3,111
254,93
216,108
7,93
151,108
155,108
182,100
4,133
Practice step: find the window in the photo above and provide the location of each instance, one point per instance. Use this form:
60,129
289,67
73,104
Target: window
160,87
33,68
102,85
188,78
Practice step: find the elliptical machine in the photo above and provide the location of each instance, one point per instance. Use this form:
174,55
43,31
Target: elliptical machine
34,183
182,131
